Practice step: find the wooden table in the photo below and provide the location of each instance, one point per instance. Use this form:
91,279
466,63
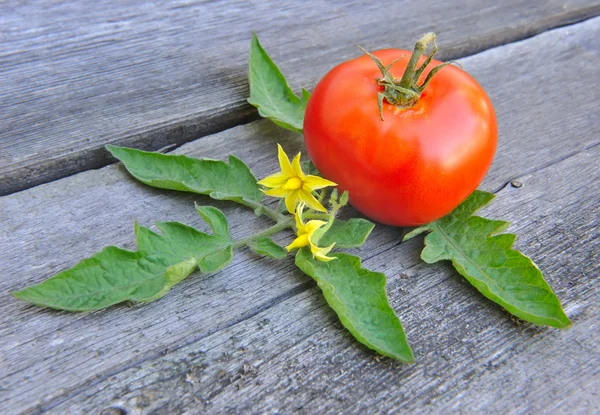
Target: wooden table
258,337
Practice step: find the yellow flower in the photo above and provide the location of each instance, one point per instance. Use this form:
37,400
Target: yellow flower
305,234
292,184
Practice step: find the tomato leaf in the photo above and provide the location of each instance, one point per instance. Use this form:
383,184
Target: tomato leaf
489,263
222,181
359,298
115,275
347,234
270,93
265,246
308,167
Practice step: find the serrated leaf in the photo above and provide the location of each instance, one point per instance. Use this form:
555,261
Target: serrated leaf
270,93
347,234
215,219
359,298
265,246
489,263
115,275
217,179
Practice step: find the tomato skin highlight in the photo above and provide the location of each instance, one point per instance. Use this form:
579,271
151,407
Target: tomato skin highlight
420,162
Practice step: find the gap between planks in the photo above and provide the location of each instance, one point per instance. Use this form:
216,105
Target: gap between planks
506,156
289,348
298,290
185,130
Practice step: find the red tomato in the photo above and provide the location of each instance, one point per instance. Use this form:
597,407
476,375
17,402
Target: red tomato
420,162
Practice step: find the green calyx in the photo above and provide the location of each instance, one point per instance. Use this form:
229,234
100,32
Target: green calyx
405,92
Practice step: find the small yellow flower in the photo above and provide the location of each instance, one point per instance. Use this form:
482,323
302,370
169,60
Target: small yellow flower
292,184
305,234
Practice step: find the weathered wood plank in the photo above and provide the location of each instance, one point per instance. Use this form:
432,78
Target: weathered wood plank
471,357
148,75
47,357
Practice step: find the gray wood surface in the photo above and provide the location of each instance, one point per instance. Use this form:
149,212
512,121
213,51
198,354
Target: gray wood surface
297,358
76,75
258,337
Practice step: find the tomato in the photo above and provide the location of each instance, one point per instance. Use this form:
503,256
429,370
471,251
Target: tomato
421,161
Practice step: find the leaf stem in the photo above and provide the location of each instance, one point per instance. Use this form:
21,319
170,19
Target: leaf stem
282,222
315,215
285,223
260,209
321,197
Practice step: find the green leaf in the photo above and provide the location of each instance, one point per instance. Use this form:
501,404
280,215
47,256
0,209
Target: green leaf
222,181
217,260
270,93
308,167
215,219
115,275
347,234
359,298
489,263
265,246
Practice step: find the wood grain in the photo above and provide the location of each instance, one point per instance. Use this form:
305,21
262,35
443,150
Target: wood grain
75,76
297,358
77,362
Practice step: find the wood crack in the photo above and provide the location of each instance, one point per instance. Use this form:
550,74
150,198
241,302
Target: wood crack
164,351
59,223
71,155
266,306
545,166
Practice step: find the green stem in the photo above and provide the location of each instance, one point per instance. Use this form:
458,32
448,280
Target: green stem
281,206
260,209
321,197
407,80
282,222
315,215
405,93
278,227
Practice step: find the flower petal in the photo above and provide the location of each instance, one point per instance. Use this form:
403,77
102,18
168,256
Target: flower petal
312,225
324,258
274,180
300,228
284,163
321,253
310,200
278,192
297,168
291,200
299,242
311,183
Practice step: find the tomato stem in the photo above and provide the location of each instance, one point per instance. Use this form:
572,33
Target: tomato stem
405,93
411,73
